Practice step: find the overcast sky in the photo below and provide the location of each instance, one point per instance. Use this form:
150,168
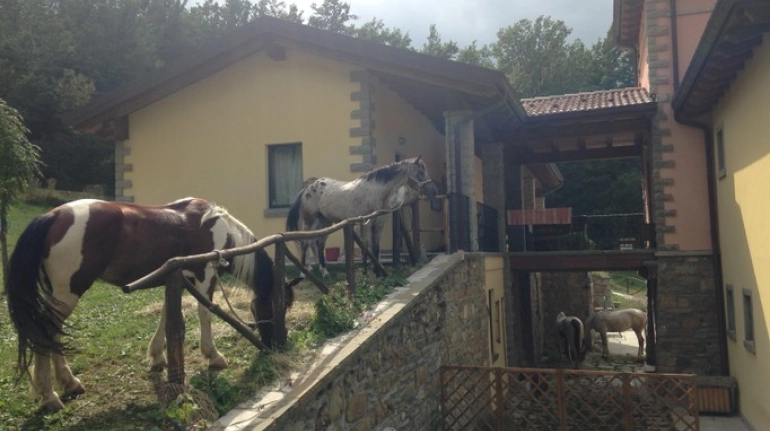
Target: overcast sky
466,20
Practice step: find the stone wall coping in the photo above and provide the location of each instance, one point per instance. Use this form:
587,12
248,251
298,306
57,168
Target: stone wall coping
260,412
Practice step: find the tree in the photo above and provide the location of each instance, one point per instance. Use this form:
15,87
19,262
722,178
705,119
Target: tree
476,56
535,56
436,47
375,30
332,15
19,163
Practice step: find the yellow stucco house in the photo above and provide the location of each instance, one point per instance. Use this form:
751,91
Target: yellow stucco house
246,120
725,92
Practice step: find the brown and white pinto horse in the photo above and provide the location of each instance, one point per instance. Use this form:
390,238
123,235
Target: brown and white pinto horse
62,252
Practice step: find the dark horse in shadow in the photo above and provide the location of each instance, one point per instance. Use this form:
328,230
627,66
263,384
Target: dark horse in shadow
62,252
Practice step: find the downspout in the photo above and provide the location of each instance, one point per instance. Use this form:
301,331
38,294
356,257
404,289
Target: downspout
674,45
708,140
715,245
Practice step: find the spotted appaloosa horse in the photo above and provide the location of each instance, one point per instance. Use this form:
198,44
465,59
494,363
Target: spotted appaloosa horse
570,330
62,252
316,245
387,187
616,321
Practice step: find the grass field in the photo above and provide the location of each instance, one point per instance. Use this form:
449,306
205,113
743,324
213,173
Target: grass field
110,332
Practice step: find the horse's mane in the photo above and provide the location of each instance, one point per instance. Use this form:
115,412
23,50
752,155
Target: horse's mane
243,265
387,173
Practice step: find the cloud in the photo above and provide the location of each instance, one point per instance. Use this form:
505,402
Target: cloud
465,21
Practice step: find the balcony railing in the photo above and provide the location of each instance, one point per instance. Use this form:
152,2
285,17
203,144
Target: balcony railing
555,229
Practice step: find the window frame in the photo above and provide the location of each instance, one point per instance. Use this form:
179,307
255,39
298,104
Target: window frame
748,321
271,208
730,312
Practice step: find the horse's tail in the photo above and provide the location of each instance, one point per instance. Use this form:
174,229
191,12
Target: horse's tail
587,340
576,342
292,220
31,305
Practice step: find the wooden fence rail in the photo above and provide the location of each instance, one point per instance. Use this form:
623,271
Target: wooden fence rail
483,398
171,273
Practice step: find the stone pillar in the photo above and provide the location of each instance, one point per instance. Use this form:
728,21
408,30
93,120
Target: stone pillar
121,167
686,325
460,163
493,167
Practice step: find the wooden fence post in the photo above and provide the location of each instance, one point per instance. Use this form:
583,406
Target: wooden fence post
349,269
280,333
397,237
175,328
416,239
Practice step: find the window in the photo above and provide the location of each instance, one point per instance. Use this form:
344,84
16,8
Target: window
730,304
721,167
748,321
284,166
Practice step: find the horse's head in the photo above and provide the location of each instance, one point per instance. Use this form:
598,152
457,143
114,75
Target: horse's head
420,181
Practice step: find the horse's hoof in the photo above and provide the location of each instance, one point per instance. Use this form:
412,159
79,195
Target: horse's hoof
158,368
218,363
74,388
52,403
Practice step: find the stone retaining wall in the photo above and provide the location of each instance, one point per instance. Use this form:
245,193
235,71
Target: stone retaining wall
387,374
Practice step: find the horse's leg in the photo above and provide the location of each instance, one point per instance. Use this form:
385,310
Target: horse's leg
605,349
42,379
66,381
208,348
63,283
156,349
378,224
364,231
639,337
320,246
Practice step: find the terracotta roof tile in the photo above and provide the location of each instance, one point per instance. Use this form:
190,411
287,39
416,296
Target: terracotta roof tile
549,105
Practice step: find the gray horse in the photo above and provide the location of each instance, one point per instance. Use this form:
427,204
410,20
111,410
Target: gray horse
385,188
616,321
570,330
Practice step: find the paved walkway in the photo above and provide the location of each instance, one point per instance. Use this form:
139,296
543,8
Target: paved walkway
623,349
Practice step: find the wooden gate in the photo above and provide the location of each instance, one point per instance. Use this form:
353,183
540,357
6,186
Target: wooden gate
483,398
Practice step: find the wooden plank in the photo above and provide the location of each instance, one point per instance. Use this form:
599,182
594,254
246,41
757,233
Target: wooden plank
416,239
175,328
379,270
306,272
349,269
581,261
280,333
397,228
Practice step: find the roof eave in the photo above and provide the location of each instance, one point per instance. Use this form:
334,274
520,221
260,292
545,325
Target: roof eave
123,101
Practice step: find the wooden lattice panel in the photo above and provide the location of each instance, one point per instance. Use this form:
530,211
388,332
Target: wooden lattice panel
479,398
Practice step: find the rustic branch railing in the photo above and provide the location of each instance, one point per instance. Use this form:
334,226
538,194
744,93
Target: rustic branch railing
153,279
171,273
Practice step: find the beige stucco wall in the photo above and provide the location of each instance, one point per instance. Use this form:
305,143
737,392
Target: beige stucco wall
692,16
394,118
744,230
211,137
493,282
683,155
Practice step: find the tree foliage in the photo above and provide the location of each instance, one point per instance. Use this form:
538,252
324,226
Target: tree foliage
19,163
57,55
